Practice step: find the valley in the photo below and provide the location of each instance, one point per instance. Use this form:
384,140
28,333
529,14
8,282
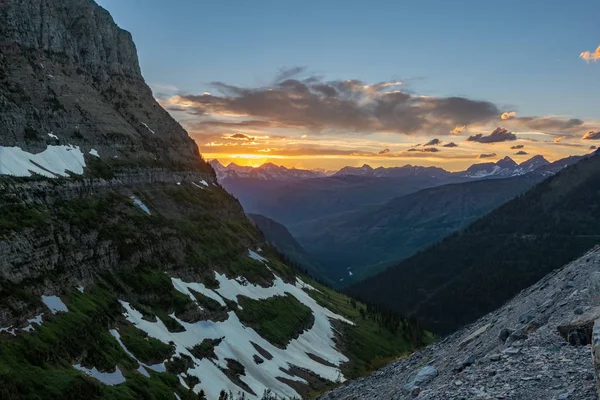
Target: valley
189,234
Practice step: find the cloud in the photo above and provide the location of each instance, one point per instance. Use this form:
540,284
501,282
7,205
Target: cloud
240,136
559,139
451,144
549,124
433,142
518,146
590,56
521,153
425,150
487,155
593,147
384,151
591,135
458,129
508,115
497,135
334,106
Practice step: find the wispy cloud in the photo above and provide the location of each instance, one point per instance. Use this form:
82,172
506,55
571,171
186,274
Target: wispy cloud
433,142
521,153
425,150
451,144
508,115
497,135
591,135
518,146
590,55
458,129
487,155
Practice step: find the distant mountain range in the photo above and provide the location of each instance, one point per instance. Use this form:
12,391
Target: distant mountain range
268,171
476,270
358,221
503,168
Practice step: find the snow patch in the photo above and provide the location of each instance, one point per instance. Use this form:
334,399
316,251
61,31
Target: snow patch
94,153
237,339
55,304
52,162
204,183
147,127
36,320
184,287
141,205
108,378
52,135
9,330
198,186
255,256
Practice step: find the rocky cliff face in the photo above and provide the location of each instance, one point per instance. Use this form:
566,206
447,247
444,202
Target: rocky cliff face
126,271
70,75
79,30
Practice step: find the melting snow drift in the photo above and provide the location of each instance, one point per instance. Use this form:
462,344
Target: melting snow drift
238,340
52,162
55,304
141,205
108,378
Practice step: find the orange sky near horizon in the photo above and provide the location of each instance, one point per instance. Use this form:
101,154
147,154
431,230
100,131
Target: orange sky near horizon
333,154
310,123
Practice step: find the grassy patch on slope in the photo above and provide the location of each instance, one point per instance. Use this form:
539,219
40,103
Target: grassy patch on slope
376,339
278,319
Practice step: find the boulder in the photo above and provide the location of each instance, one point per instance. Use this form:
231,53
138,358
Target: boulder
504,334
578,331
422,378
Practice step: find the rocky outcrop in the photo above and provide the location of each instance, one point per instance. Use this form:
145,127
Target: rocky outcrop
79,30
596,353
532,348
70,75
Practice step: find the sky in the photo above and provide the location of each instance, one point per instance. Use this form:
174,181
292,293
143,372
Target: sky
324,84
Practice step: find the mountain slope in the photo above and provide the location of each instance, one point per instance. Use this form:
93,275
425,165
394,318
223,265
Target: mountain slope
294,203
367,242
126,271
533,347
278,235
476,270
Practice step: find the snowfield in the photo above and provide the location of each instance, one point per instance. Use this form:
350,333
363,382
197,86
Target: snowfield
53,162
238,340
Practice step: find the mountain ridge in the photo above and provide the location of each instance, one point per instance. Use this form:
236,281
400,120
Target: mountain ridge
269,171
126,270
505,251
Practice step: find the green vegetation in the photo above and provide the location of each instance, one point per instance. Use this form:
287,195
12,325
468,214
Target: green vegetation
146,349
278,319
192,232
207,303
206,349
38,365
473,272
377,338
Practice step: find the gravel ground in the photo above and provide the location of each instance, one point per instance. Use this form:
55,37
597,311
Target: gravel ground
515,352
